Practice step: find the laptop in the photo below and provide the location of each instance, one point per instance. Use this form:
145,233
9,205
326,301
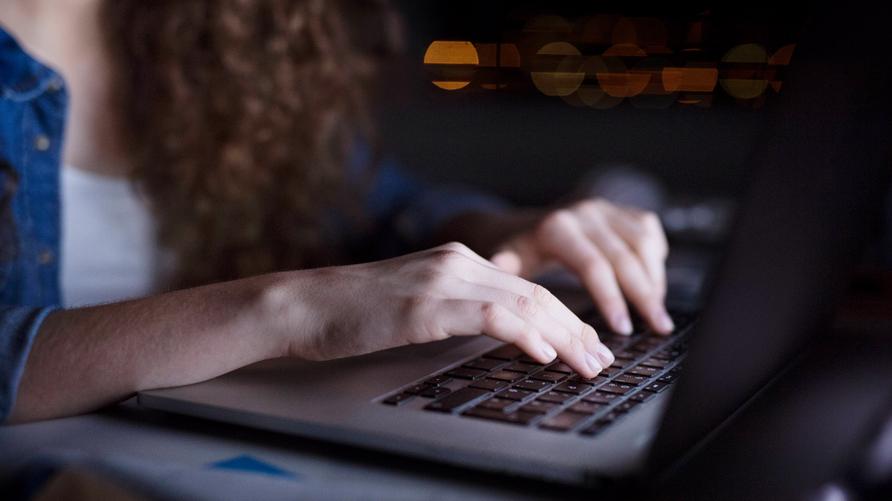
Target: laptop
819,173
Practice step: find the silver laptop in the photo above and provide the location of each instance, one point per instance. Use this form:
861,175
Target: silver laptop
819,171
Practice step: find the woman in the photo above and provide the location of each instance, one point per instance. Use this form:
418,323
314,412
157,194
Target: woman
236,123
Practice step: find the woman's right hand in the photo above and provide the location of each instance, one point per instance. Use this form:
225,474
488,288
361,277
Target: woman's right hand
427,296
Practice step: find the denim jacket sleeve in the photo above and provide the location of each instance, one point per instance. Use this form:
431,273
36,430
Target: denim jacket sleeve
18,327
32,119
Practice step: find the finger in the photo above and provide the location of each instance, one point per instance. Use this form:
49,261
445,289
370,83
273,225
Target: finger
460,317
520,257
546,320
508,261
632,277
564,240
466,251
643,232
500,280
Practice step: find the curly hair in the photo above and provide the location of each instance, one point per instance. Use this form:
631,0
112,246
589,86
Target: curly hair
239,117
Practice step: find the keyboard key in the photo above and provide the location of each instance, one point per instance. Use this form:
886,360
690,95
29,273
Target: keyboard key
594,428
620,363
631,379
551,377
515,394
520,417
668,377
642,370
522,367
600,378
618,388
496,403
489,384
438,380
583,407
600,397
655,362
533,385
610,371
555,397
509,376
560,367
530,360
398,399
417,389
571,387
539,407
563,421
434,392
625,406
600,424
484,364
624,355
656,387
506,352
456,399
465,373
643,396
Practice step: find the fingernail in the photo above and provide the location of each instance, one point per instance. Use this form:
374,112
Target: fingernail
622,324
665,322
593,363
549,352
605,355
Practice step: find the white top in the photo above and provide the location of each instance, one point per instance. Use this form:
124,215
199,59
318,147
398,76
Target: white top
109,248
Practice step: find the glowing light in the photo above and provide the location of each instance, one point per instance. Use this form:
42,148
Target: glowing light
694,77
746,83
621,81
591,94
782,57
454,62
564,78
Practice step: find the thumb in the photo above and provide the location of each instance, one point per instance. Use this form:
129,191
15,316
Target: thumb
508,260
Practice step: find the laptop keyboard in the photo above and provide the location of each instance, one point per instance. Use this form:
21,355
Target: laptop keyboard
507,386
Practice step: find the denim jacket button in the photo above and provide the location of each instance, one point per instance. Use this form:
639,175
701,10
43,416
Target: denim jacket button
42,143
45,257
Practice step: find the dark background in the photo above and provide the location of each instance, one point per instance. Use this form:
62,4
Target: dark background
531,148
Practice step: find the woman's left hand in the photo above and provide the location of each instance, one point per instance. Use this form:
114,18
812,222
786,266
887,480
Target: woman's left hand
615,251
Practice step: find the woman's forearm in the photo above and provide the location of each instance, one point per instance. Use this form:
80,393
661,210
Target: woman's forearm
86,358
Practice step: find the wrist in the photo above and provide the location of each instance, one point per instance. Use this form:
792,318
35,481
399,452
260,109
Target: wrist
283,309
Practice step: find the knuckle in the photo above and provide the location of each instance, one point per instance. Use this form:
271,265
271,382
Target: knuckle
456,247
649,220
586,206
558,219
492,314
447,259
543,295
526,306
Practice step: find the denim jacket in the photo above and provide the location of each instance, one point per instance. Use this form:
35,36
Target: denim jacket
32,118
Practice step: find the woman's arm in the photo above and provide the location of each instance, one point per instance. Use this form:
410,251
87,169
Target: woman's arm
84,359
